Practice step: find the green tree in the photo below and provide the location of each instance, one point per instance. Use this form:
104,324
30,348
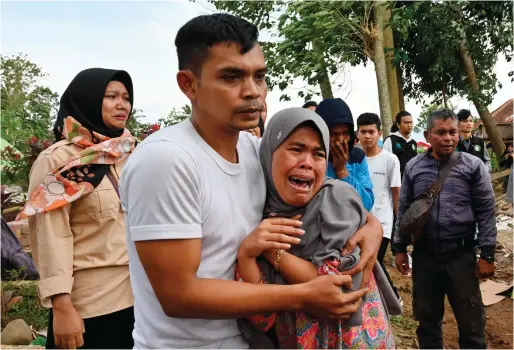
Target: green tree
28,109
421,120
450,48
315,38
175,116
135,123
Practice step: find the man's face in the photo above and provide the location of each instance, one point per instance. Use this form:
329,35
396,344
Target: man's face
368,136
466,125
341,133
444,137
231,87
510,148
405,125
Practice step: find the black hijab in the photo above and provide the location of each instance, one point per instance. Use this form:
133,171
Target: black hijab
84,97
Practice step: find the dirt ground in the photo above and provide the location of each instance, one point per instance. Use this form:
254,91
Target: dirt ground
499,326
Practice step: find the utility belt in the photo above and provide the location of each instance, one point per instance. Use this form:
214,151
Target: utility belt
450,246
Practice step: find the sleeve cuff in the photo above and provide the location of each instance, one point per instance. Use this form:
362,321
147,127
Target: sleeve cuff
53,286
487,251
157,232
400,248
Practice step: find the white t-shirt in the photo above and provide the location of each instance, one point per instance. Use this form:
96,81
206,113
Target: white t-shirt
175,186
384,170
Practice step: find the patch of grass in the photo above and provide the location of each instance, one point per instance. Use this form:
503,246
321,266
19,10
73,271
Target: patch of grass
29,308
403,323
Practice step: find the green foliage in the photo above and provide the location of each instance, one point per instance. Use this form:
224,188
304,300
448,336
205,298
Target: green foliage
403,323
29,308
421,121
428,35
135,123
175,116
312,38
28,109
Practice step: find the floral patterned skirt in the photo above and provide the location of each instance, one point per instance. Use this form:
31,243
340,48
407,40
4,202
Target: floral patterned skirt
298,330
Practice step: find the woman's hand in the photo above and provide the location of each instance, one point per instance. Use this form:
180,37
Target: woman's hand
272,233
68,325
368,238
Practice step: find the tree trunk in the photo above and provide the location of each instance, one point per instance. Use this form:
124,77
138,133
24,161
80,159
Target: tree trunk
392,82
381,71
399,79
445,94
324,79
492,130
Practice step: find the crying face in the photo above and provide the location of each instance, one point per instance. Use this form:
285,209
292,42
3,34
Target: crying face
299,166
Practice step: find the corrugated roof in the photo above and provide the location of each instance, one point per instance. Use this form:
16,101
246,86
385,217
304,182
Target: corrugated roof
503,114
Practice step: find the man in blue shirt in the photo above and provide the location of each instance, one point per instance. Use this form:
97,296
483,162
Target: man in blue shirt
346,162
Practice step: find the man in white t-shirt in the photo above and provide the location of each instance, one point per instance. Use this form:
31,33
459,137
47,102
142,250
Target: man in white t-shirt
384,170
193,195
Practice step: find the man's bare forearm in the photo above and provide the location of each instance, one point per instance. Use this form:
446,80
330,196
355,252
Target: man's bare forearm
223,299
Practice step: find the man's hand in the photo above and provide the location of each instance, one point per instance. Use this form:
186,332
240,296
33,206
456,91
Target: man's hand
484,269
368,238
272,233
325,300
402,263
339,153
68,325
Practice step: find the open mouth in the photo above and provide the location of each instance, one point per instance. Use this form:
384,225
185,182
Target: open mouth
300,183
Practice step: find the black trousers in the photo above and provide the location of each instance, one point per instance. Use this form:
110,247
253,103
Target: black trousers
452,274
380,259
111,331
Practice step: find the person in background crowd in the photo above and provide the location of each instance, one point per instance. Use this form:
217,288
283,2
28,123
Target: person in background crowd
400,143
444,257
310,105
384,169
506,163
76,226
469,143
259,130
193,193
346,162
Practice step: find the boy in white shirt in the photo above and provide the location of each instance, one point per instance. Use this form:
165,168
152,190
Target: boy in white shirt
384,170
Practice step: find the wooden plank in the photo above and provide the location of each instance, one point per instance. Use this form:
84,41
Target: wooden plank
499,175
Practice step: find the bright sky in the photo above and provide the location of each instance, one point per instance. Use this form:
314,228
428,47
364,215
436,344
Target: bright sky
65,37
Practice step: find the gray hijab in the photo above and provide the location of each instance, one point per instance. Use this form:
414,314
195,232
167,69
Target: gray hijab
332,216
279,128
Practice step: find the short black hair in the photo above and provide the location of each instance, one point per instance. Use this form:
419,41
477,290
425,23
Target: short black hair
369,119
400,115
310,104
195,38
463,114
440,114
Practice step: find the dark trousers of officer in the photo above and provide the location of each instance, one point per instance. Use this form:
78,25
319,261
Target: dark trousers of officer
453,274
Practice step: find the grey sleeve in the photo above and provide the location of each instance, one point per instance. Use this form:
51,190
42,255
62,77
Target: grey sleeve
487,159
342,214
483,201
406,194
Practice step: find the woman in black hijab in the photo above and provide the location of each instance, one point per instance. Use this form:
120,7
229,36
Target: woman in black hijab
76,225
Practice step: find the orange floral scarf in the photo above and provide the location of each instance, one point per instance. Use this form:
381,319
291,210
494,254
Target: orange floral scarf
82,172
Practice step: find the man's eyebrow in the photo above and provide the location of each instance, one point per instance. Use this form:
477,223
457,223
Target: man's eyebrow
236,70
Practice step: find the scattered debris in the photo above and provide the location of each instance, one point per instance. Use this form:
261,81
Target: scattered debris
17,332
492,291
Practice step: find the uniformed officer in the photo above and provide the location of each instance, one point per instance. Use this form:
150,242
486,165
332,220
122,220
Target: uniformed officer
468,143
